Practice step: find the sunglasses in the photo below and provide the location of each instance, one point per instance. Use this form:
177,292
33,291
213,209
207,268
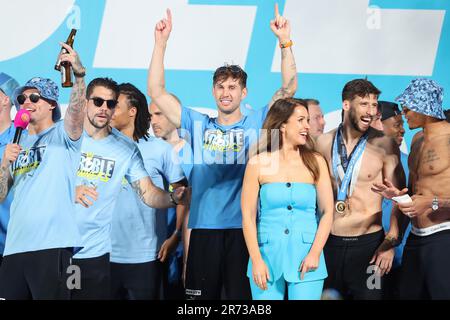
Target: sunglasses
34,97
98,102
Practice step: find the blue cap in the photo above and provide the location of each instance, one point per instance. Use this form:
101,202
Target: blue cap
8,84
47,89
423,96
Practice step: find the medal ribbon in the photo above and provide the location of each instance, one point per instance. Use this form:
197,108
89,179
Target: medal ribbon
342,166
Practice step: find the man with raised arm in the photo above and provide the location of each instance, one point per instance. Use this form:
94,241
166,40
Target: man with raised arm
42,231
220,148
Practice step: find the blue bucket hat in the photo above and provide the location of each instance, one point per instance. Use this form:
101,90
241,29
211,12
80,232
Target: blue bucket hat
423,96
8,84
47,89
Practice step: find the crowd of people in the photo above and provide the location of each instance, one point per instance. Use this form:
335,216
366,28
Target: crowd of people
258,206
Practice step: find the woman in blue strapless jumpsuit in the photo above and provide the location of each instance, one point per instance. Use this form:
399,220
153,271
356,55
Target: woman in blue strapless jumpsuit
285,240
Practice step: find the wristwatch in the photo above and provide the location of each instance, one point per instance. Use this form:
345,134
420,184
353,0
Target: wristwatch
172,199
435,204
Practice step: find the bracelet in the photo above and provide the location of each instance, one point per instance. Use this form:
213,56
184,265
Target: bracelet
287,44
177,233
172,199
394,242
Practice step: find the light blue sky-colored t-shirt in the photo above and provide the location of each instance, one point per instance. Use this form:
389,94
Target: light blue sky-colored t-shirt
104,163
138,231
220,154
42,214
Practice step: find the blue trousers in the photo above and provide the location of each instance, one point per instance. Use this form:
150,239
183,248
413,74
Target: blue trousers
311,290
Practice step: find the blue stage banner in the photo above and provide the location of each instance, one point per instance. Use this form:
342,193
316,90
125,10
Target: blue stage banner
388,41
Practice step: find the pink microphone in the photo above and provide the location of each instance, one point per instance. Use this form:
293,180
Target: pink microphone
20,123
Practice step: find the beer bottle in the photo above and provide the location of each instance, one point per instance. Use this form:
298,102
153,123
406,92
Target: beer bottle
65,67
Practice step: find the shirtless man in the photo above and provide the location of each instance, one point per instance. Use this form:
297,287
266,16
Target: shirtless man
357,239
425,262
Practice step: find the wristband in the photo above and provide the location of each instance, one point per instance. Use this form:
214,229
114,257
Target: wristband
286,44
177,233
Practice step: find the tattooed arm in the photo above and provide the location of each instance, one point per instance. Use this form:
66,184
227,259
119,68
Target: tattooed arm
282,29
73,120
155,197
10,155
5,182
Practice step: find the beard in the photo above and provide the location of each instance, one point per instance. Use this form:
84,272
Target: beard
96,125
354,121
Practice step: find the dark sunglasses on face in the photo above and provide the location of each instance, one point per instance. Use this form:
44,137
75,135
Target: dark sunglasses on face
34,97
98,102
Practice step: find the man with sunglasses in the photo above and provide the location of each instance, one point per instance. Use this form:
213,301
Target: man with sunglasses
7,130
42,231
107,158
220,147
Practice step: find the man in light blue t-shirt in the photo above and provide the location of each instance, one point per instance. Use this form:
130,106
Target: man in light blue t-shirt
220,152
7,130
42,232
107,157
138,231
175,266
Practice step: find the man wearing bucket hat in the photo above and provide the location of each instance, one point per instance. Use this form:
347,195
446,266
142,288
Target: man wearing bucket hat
42,231
7,87
424,266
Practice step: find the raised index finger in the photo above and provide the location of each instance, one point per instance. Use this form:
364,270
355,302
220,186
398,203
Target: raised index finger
169,15
277,13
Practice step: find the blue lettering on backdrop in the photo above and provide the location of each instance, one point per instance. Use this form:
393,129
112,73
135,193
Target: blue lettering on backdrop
193,86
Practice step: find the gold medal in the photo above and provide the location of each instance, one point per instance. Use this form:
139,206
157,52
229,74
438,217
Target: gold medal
340,207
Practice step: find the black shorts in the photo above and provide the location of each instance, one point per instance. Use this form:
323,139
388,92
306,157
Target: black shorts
95,279
349,271
426,267
173,290
217,259
36,275
136,281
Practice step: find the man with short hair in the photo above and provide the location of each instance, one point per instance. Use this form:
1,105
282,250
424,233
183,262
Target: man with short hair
316,119
107,156
138,233
7,131
42,232
392,126
176,219
359,155
425,263
220,148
